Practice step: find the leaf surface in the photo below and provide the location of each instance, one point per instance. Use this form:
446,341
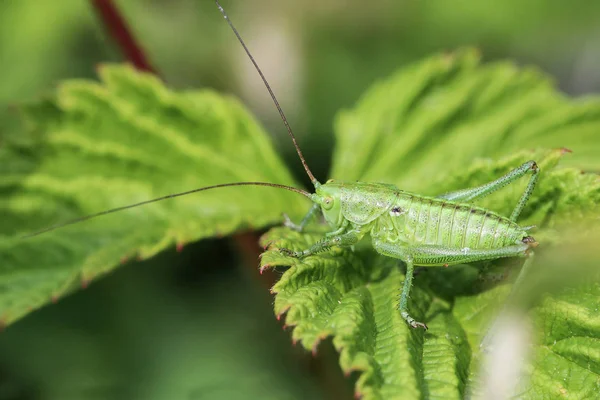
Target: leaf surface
95,146
444,124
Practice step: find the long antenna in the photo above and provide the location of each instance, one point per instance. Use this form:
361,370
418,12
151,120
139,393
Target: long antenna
169,196
283,118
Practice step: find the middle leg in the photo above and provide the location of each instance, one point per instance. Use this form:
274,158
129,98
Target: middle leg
428,255
300,227
403,254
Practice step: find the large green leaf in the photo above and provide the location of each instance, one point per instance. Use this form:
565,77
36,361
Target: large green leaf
443,124
96,146
432,119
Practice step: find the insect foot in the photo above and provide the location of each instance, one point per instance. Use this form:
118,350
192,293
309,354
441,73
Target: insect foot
287,222
411,321
416,324
290,253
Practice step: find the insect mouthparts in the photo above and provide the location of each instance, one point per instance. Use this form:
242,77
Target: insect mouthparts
529,240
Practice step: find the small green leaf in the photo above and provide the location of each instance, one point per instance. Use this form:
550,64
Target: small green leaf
444,124
96,146
566,358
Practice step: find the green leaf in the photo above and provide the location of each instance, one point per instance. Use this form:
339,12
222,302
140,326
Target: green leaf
127,139
444,124
450,105
567,360
140,334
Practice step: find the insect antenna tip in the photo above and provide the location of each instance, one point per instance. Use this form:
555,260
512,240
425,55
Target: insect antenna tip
565,150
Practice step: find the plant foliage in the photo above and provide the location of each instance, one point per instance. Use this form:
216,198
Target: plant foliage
95,146
444,124
441,124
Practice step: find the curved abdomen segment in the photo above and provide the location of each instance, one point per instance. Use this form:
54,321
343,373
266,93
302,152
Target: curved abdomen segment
430,221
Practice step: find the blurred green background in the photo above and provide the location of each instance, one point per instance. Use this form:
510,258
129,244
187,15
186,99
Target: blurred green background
198,324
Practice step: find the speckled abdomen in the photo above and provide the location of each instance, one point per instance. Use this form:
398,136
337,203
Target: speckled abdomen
431,221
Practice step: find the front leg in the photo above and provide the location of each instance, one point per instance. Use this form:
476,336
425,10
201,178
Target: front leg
346,239
300,227
338,231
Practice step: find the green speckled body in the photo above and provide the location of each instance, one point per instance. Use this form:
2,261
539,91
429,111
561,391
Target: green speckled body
398,218
417,219
422,230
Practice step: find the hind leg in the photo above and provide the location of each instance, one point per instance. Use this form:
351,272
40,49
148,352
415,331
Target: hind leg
484,190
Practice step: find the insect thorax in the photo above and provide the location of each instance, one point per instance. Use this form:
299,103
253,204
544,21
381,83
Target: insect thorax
362,203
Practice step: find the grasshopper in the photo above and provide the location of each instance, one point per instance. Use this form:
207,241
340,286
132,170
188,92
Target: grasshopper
417,230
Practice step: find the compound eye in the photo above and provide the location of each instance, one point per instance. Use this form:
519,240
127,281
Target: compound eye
328,203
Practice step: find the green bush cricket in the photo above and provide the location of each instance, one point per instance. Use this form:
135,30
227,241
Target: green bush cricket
418,230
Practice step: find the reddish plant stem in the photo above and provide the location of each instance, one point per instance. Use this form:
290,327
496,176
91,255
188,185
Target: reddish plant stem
246,242
117,27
